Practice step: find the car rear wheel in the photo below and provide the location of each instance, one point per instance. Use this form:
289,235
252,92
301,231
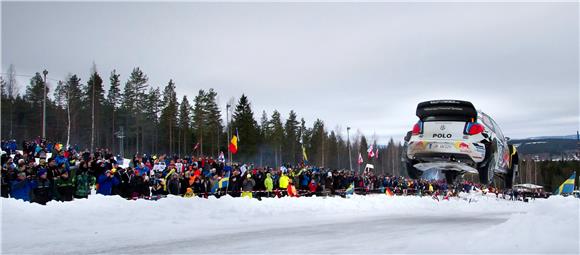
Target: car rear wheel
510,175
486,173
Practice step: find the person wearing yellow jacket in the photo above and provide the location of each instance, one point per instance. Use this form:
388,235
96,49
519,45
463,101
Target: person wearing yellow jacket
284,180
269,184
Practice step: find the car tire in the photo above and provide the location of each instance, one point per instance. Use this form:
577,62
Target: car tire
509,177
486,171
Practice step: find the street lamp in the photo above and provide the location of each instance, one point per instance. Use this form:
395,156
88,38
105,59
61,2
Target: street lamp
348,144
44,107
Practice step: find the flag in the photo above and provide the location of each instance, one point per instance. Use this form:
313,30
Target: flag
371,152
304,156
360,159
221,157
292,190
377,153
234,145
196,146
222,183
567,186
389,193
350,189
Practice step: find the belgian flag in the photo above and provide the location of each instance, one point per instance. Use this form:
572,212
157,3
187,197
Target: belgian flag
233,147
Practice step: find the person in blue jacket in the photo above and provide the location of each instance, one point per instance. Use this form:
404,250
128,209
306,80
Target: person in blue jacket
106,182
22,187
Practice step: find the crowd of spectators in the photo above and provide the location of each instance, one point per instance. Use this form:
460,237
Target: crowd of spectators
46,171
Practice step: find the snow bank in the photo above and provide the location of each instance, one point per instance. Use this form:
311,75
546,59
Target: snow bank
111,224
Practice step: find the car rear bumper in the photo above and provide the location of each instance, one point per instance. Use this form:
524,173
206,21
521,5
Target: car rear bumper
446,151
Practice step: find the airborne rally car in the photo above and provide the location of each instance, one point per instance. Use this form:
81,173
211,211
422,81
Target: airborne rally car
453,137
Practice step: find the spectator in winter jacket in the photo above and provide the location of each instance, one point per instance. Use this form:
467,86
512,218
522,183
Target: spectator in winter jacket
173,184
106,182
21,187
83,182
312,186
234,185
65,186
248,186
269,183
43,191
329,183
284,181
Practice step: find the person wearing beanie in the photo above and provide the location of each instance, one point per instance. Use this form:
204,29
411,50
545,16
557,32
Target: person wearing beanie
64,185
83,182
21,187
248,186
42,192
106,182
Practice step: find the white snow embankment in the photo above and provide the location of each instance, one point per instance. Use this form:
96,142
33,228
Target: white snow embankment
175,225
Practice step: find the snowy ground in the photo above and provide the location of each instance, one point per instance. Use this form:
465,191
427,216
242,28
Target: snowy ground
371,224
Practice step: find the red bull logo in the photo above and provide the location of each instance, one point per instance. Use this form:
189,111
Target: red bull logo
462,146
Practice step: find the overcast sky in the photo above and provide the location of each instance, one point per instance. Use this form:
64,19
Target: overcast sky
360,65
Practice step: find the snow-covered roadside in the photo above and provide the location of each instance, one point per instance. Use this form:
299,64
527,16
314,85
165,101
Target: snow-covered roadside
111,224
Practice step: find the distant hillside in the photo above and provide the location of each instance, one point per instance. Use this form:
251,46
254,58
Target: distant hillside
572,137
549,145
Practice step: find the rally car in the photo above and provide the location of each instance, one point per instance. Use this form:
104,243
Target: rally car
453,137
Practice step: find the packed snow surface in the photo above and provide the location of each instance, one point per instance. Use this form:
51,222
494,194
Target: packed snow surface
359,224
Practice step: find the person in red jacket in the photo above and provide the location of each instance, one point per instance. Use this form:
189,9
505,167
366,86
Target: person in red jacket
312,186
292,189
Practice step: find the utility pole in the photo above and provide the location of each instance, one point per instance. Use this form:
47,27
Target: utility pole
121,135
44,106
348,145
93,119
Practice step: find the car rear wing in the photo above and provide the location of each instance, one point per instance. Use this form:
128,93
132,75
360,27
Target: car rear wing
448,108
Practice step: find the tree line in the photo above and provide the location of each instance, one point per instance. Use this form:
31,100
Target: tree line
133,116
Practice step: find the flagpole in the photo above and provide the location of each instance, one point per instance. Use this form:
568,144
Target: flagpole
228,132
348,142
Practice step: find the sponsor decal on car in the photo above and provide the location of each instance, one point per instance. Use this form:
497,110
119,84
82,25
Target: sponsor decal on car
461,146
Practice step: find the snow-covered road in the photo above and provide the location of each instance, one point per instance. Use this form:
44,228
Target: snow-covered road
368,235
372,224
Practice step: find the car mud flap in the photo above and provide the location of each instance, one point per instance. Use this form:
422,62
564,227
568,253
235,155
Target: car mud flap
449,166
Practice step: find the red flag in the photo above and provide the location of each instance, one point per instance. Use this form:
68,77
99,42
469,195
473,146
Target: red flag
371,152
377,153
360,159
233,147
388,192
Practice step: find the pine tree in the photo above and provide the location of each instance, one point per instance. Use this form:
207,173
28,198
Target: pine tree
94,98
133,96
68,95
263,139
151,110
276,137
212,120
317,143
247,127
332,155
184,124
112,104
35,90
199,118
10,92
291,139
363,146
168,120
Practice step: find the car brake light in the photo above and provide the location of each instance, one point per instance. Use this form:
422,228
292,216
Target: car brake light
417,128
474,128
